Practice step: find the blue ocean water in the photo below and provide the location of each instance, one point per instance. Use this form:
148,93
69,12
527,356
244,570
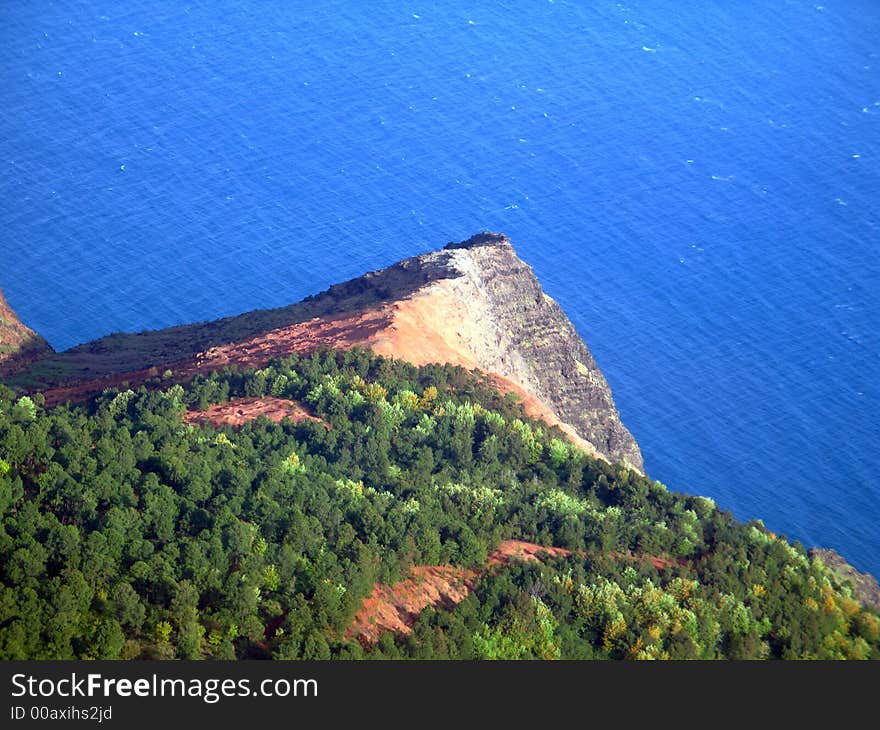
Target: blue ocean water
696,183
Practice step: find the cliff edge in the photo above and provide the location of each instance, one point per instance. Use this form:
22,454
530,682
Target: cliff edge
865,587
20,346
482,307
473,303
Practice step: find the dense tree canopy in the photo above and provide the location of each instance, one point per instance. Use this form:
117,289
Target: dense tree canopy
127,533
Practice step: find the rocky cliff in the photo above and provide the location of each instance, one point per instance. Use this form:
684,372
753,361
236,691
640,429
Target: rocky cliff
481,306
474,303
19,345
865,587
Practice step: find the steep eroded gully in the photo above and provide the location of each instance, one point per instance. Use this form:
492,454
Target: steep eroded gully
397,607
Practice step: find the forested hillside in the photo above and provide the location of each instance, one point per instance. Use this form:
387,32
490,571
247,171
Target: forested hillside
130,532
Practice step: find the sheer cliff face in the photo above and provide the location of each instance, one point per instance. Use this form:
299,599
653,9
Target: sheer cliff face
481,306
474,304
19,345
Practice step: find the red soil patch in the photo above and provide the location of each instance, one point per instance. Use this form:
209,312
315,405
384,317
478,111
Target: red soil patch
396,608
83,390
526,552
341,333
240,411
655,560
303,338
665,563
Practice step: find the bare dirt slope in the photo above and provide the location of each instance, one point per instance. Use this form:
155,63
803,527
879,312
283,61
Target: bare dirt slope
396,608
242,410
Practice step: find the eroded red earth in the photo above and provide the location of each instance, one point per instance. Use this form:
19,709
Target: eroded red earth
241,410
397,607
341,332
